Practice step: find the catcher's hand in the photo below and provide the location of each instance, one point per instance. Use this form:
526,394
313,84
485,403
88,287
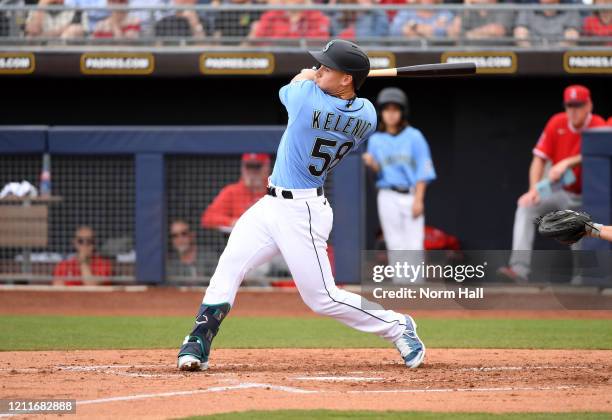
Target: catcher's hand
566,226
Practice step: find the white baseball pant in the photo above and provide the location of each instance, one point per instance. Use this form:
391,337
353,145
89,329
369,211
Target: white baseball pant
402,231
524,228
298,229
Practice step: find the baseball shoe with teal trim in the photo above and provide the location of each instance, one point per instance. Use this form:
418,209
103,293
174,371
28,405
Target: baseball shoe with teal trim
195,349
192,355
410,346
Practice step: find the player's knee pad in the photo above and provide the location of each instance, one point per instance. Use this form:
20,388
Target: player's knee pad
206,325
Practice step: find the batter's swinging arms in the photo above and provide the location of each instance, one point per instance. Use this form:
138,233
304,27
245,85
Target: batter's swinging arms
326,121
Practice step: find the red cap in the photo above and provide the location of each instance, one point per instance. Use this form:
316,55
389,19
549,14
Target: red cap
256,157
576,94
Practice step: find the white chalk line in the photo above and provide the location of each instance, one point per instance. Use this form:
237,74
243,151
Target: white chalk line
495,368
255,385
78,367
246,385
238,365
107,369
500,389
338,378
115,370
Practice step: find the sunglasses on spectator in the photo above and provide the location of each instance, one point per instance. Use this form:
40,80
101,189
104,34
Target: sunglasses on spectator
183,234
253,166
84,241
575,104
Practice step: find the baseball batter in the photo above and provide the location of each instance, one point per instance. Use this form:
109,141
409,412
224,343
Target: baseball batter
326,121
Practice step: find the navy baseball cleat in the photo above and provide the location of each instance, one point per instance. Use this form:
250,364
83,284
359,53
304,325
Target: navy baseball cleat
410,346
195,350
192,355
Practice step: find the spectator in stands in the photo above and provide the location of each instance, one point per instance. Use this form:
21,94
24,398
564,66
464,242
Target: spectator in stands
481,24
548,26
85,267
559,144
235,199
10,20
359,24
292,24
185,261
88,14
422,23
599,24
120,24
147,17
50,24
182,23
392,13
235,23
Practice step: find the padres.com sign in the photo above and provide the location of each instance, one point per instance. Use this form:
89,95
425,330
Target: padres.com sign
17,63
486,61
236,63
381,59
117,63
587,61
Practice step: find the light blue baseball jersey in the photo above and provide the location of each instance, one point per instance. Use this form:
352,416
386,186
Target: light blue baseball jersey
404,159
321,130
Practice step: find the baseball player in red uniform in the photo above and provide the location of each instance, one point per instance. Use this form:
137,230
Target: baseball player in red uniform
559,144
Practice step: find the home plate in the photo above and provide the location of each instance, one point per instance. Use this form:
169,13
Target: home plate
337,378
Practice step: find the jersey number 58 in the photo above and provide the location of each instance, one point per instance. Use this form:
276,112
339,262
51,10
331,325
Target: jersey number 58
329,162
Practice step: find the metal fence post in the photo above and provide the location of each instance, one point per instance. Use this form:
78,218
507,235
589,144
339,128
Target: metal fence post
349,216
150,217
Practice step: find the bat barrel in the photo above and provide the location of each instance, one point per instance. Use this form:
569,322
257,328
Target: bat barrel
443,69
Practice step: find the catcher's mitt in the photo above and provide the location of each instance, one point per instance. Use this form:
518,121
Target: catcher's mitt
566,226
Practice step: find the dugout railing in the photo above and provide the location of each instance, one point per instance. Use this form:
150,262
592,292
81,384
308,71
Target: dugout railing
129,184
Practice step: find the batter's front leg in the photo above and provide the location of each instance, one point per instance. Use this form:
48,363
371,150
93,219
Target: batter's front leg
249,245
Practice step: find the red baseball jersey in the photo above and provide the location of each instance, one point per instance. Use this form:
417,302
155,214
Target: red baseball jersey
594,26
228,206
560,140
278,24
70,270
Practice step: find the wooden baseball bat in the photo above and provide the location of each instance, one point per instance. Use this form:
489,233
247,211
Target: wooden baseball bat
422,70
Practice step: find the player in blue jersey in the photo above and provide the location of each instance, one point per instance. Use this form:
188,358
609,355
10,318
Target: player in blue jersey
399,154
326,121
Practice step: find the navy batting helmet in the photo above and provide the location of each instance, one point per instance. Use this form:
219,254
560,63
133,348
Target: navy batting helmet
345,56
392,95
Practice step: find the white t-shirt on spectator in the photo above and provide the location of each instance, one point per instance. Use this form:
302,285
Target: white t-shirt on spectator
92,16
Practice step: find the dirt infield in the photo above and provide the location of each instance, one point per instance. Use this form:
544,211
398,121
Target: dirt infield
146,384
163,302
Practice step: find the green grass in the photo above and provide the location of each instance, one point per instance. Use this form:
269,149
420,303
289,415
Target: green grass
110,332
392,415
